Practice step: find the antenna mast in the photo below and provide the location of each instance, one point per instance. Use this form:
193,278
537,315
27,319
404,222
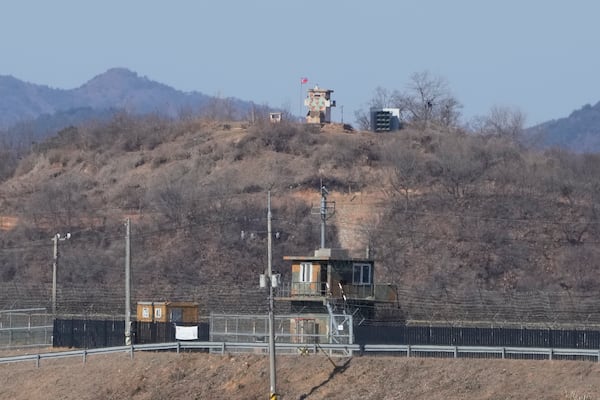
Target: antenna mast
326,211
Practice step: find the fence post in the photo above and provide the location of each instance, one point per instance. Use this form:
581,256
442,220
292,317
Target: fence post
84,356
455,351
504,353
178,347
550,352
37,361
408,352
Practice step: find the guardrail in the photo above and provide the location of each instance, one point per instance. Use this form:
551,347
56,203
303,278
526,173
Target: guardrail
349,349
499,352
220,347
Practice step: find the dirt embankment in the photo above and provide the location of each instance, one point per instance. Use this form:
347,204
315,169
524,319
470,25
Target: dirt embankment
7,223
155,376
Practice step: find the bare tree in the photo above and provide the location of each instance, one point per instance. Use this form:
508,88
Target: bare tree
383,98
8,161
220,108
502,121
407,170
428,98
61,202
258,113
363,120
461,164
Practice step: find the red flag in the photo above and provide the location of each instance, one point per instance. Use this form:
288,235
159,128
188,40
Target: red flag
303,81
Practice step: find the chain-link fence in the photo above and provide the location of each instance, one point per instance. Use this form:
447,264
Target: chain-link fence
25,328
309,329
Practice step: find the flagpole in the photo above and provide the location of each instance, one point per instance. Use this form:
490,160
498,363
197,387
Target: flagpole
303,80
300,108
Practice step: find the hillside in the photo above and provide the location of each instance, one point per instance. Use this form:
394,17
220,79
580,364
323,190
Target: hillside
468,227
200,376
579,132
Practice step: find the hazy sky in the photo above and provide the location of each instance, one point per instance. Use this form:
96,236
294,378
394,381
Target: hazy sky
540,55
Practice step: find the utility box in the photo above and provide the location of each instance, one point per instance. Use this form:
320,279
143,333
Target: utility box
167,311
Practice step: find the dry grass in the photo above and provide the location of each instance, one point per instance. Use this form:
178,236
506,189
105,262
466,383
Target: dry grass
201,376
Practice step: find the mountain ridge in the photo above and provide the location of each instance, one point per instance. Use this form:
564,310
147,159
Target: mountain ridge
117,88
578,132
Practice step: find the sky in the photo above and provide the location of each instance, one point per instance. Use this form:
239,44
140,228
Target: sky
540,56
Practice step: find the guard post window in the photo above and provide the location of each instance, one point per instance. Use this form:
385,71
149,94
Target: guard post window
305,272
361,274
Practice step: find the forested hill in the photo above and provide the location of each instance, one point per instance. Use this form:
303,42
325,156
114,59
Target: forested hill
442,212
579,132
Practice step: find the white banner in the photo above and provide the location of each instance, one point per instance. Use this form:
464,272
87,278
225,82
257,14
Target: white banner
186,332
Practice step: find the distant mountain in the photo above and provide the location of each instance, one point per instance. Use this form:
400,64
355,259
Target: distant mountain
20,101
41,109
579,132
123,89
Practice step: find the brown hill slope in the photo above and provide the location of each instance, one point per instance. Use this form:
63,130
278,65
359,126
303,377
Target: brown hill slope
201,376
446,215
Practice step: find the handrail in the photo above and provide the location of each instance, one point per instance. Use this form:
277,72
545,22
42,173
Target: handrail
303,348
219,346
504,351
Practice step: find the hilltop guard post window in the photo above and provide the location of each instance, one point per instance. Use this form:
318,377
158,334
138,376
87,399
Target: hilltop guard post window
361,274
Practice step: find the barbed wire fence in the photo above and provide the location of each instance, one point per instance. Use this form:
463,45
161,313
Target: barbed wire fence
414,306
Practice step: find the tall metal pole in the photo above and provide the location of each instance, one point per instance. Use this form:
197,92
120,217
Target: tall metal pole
300,108
323,213
54,267
272,368
55,240
127,282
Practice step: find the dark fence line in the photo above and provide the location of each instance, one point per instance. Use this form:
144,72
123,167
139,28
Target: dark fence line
459,336
89,334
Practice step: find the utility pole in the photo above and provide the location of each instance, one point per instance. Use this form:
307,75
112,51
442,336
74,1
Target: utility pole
272,369
326,211
127,282
268,278
55,239
323,213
